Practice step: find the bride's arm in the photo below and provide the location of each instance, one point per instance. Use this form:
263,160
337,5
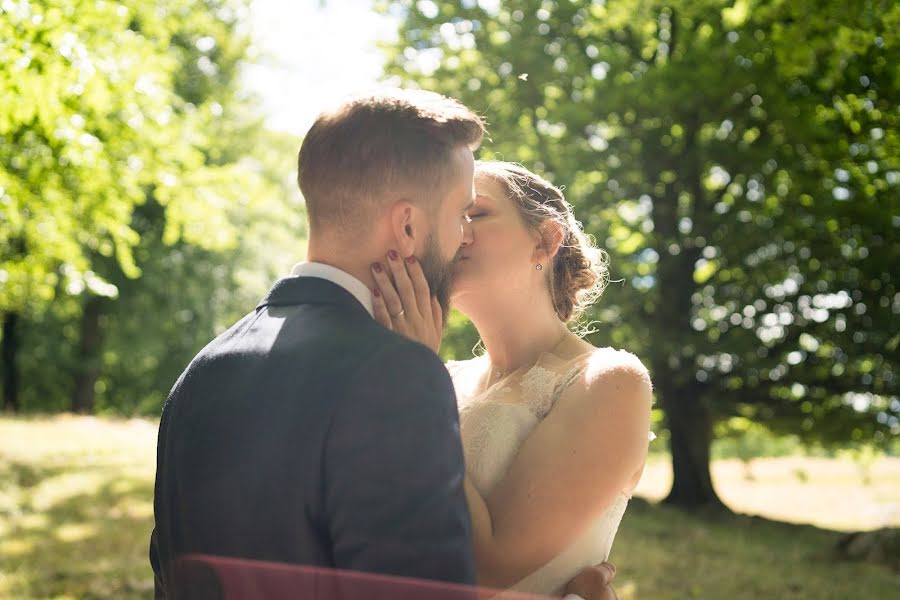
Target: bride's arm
566,473
482,530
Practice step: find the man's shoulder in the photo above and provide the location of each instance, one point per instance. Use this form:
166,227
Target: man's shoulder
317,344
355,338
287,328
397,369
398,384
395,354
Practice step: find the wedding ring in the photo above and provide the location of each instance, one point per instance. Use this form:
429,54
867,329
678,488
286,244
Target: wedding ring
399,314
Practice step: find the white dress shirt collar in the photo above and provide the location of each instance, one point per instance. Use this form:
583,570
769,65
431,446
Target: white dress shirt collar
338,277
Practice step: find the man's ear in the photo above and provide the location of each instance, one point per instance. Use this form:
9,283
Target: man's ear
404,227
550,237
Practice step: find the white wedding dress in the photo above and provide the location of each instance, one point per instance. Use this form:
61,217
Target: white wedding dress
495,421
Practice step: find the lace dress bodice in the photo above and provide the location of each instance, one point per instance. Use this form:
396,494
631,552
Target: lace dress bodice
494,423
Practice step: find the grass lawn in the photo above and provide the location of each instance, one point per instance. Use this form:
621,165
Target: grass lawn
76,512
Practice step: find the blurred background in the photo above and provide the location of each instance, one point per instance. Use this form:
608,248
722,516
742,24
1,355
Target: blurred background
738,159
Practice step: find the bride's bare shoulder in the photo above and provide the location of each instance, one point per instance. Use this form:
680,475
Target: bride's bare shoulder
603,363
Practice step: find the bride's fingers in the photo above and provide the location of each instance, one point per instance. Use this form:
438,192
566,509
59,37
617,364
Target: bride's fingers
402,283
380,309
388,292
420,285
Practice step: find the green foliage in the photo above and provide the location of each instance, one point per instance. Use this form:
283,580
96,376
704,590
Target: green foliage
741,438
92,121
135,179
740,163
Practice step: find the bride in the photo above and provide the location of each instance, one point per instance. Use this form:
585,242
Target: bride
554,430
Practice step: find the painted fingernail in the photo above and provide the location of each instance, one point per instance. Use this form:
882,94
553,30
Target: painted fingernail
393,255
411,259
376,267
377,293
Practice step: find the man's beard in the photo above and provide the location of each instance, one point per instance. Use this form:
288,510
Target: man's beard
438,274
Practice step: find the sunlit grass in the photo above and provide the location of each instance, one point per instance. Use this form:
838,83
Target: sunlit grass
76,507
830,493
663,553
76,512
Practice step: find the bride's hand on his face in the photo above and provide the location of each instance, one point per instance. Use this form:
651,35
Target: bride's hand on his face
403,301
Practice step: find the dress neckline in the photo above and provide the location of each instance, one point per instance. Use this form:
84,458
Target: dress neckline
547,359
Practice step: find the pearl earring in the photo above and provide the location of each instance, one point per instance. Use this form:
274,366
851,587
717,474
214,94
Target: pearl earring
539,266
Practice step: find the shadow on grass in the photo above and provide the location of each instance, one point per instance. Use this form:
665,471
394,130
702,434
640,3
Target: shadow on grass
24,475
82,531
85,537
664,552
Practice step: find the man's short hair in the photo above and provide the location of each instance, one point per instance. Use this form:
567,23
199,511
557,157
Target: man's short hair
399,142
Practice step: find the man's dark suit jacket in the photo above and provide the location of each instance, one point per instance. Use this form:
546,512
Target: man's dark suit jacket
309,434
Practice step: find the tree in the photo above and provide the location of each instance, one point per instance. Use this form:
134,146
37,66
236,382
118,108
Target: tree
739,162
126,145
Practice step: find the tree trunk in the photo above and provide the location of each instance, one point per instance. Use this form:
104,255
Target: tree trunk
89,355
690,427
10,372
687,415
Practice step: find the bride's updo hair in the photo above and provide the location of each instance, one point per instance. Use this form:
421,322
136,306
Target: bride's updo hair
579,272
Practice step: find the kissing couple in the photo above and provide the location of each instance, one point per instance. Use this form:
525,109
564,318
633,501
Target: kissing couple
322,429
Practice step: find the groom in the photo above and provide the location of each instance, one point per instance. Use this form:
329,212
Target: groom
308,434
